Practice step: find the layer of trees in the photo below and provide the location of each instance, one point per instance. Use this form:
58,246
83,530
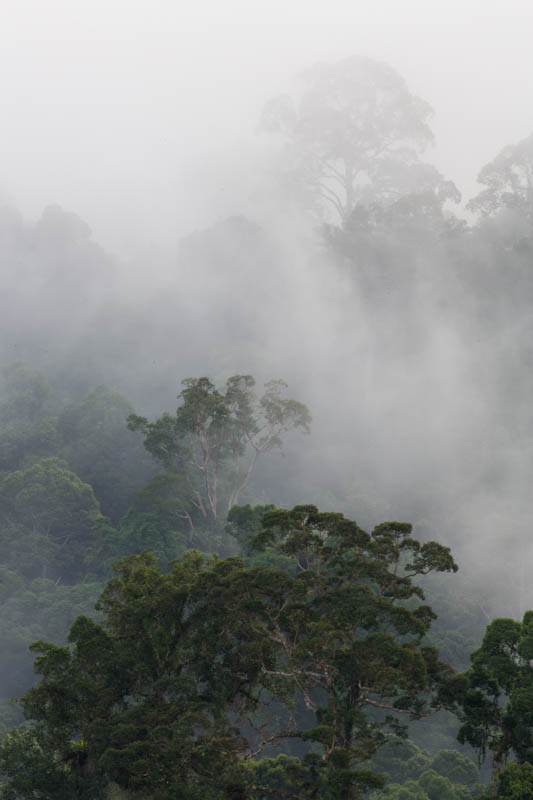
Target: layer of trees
169,695
78,490
296,665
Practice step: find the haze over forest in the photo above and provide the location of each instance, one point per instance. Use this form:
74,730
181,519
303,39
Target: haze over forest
342,203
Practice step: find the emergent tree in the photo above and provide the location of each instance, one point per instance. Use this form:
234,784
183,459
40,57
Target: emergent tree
215,438
355,136
508,181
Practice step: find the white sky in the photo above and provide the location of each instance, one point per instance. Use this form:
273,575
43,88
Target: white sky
136,114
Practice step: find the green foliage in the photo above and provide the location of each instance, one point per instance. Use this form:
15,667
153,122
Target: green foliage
310,777
10,582
27,429
515,782
34,774
50,523
140,531
166,694
498,706
167,498
243,525
429,786
400,760
455,766
461,622
91,436
33,610
140,701
95,442
213,442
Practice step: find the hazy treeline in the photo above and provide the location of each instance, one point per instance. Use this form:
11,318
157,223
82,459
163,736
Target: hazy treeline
399,316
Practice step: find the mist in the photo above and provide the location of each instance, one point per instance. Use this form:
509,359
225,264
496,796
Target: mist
146,128
143,120
154,228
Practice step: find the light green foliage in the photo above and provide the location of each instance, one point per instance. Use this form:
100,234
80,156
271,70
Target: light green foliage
35,768
309,777
27,428
50,523
408,791
455,766
413,771
437,787
90,435
429,786
401,760
95,442
516,782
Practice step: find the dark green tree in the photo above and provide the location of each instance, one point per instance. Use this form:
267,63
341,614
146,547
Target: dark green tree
142,701
498,706
516,782
348,636
168,696
156,520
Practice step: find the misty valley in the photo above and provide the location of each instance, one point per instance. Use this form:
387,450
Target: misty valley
265,500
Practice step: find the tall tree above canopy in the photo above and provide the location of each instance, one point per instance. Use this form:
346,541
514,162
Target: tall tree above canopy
355,136
215,438
508,180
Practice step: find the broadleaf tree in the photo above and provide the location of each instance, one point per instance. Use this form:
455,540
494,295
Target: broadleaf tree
170,695
508,181
354,136
51,525
498,706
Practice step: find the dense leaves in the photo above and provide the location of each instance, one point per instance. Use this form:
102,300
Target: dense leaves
167,694
318,642
51,525
498,707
